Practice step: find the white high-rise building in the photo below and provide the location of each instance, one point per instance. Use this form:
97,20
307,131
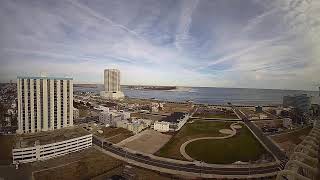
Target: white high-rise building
44,103
112,84
111,80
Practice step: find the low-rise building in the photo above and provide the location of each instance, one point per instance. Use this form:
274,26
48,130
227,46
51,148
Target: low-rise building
46,145
76,113
135,125
110,117
258,109
161,126
287,123
7,119
301,102
263,116
175,121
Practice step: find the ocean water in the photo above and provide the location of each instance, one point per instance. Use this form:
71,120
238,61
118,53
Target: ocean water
212,95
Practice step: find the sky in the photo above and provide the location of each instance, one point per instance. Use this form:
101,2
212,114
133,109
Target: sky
272,44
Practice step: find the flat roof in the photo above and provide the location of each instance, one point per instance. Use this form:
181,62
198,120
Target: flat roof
48,137
174,117
39,77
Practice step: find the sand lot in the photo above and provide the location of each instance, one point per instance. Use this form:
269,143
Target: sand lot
148,141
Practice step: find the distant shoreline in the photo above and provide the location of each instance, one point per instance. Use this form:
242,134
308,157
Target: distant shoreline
86,85
177,87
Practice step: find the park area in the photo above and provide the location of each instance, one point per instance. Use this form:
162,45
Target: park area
190,131
241,147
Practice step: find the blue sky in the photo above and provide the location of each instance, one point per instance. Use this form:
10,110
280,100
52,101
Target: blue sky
220,43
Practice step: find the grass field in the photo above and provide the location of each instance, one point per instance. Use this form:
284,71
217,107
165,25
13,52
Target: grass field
114,135
241,147
191,131
218,116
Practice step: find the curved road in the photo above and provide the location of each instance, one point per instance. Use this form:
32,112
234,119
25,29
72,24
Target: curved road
182,167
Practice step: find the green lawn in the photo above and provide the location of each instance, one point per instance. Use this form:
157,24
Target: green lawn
242,147
222,116
191,131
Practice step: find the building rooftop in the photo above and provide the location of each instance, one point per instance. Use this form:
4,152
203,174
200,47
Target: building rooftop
45,77
48,137
174,117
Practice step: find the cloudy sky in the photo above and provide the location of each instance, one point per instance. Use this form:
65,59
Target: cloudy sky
221,43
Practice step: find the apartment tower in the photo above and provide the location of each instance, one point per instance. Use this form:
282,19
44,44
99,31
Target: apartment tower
44,103
112,84
111,80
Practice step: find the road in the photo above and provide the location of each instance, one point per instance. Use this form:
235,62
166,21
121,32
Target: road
278,153
181,167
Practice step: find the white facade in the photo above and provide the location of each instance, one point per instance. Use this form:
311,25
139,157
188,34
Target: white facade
47,151
111,117
112,84
111,80
134,126
44,103
161,126
165,126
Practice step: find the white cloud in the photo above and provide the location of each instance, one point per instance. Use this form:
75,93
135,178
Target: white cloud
195,43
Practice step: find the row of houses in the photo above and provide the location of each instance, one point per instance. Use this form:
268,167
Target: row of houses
122,119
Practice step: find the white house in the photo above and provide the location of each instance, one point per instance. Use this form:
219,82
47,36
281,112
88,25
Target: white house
174,122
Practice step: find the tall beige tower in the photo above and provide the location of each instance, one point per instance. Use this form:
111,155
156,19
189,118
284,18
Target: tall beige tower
44,103
112,80
112,85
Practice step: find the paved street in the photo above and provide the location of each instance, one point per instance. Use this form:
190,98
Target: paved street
267,142
187,168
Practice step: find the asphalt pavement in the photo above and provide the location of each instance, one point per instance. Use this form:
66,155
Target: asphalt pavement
187,168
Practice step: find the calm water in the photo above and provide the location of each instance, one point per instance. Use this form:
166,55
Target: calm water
212,95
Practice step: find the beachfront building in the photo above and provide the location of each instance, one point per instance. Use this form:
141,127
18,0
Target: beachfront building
112,85
44,103
174,122
47,145
301,102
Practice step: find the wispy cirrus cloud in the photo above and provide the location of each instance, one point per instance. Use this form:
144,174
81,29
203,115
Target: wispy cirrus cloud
196,43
